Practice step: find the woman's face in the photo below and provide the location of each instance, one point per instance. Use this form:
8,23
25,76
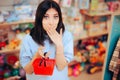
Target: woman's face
50,19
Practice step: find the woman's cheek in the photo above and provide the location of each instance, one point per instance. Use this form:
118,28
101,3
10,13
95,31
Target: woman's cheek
45,27
55,26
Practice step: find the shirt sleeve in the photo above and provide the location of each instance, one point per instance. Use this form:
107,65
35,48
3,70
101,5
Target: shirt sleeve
68,46
25,53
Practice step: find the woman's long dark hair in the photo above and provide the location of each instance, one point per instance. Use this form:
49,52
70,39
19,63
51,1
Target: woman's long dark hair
38,33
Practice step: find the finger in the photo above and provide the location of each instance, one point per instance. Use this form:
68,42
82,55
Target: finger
41,54
51,33
40,50
48,33
47,55
61,30
47,27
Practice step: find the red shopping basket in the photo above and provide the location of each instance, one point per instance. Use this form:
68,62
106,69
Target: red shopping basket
43,66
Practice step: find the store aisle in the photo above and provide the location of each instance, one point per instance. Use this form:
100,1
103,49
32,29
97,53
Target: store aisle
86,76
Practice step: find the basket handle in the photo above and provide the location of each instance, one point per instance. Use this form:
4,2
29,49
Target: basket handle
43,60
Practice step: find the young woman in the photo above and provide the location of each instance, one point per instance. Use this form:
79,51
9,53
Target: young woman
48,35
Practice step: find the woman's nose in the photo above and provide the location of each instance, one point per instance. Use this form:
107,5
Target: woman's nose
51,21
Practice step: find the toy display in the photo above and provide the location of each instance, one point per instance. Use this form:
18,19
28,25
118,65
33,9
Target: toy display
27,30
70,71
11,59
76,69
89,54
3,39
96,62
114,5
13,44
101,48
26,27
10,68
10,72
93,69
19,33
2,44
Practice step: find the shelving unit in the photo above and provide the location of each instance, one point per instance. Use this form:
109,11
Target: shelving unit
97,34
9,51
98,13
5,24
106,13
91,36
114,35
9,24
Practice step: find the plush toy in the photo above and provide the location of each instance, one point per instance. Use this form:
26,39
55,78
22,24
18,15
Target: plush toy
2,60
19,34
101,48
96,62
15,72
27,30
76,71
7,73
22,73
11,59
7,70
114,5
93,69
2,44
78,68
1,73
10,68
93,56
14,43
70,71
80,57
16,64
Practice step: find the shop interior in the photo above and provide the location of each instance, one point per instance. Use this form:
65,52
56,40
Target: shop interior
94,24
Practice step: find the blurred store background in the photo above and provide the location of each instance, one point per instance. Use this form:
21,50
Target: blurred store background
89,21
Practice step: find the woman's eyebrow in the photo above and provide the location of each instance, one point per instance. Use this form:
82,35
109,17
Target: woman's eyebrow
46,14
56,14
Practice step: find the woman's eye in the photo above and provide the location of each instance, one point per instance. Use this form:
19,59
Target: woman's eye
55,17
45,17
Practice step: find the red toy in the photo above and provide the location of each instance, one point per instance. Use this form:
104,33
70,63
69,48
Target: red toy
2,44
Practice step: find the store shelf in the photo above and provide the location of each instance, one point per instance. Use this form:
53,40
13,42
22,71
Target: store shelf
116,13
16,22
98,13
91,35
98,34
102,13
9,51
